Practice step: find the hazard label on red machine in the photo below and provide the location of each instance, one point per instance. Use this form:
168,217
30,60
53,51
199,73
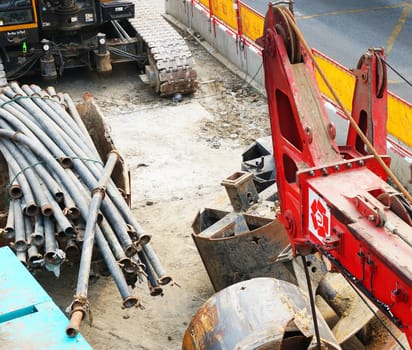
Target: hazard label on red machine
319,216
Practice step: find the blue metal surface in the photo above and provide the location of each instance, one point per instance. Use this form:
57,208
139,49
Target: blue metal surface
29,319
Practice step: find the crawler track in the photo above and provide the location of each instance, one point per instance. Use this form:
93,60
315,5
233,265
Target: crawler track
3,79
171,68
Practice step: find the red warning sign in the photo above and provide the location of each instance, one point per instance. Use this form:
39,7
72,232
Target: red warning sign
319,216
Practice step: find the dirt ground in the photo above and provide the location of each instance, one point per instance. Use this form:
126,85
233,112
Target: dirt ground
177,153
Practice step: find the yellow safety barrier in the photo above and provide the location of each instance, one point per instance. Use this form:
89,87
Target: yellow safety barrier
399,111
204,3
252,23
224,10
399,119
339,77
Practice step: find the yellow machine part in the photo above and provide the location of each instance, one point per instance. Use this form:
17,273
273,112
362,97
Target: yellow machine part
22,26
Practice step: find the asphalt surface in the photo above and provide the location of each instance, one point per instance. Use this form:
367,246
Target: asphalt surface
344,30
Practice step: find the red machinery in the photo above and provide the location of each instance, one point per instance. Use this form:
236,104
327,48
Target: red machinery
335,199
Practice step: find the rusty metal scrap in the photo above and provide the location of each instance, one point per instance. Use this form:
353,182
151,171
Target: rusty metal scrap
262,313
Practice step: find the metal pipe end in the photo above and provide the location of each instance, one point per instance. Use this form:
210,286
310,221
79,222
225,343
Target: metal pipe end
9,232
37,239
73,212
15,191
59,197
72,250
14,85
47,210
37,88
130,250
34,261
52,257
163,280
8,91
101,191
144,239
61,234
20,245
156,291
132,234
31,209
69,231
66,162
71,331
131,301
128,266
76,318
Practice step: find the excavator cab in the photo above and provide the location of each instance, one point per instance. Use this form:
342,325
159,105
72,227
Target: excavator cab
52,36
18,23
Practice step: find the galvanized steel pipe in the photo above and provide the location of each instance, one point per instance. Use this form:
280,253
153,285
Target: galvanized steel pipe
35,132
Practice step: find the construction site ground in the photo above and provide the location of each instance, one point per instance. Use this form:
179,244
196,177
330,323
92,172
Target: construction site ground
178,153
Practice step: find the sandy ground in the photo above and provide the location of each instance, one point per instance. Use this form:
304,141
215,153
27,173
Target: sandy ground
177,153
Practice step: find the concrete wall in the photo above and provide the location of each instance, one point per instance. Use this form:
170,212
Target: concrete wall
244,55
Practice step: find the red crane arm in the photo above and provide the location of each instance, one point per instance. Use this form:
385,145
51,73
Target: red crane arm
336,199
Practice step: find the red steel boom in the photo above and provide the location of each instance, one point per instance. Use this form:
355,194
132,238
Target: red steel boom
335,199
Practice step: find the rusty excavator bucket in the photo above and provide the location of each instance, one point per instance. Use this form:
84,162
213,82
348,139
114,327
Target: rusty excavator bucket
239,246
261,313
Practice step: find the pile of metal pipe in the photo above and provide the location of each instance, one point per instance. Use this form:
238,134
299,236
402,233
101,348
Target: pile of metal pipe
55,170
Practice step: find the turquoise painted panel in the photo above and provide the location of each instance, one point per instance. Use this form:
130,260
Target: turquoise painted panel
29,319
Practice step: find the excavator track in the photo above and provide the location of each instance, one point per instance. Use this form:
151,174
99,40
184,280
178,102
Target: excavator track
171,65
3,79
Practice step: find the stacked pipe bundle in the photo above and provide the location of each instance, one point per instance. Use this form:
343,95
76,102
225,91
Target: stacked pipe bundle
62,198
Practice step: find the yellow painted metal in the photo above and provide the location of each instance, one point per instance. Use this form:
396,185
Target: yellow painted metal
23,26
399,111
224,10
399,119
204,3
252,22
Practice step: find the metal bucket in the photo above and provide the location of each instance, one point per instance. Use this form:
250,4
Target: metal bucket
235,247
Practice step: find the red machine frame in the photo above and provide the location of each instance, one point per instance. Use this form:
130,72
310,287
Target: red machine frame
335,199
